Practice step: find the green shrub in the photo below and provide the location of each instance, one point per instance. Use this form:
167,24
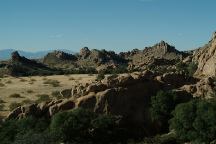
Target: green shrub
2,85
195,121
2,101
54,83
189,69
74,125
100,76
161,106
23,131
29,91
2,107
27,101
83,126
14,105
56,94
8,82
42,98
192,67
15,95
8,131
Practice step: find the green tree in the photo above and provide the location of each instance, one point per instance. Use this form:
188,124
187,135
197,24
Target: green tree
73,126
195,121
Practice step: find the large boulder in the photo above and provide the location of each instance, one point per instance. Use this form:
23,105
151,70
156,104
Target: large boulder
96,87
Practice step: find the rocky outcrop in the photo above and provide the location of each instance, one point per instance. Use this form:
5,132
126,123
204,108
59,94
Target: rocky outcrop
44,109
161,54
204,88
59,57
126,95
206,58
21,66
84,52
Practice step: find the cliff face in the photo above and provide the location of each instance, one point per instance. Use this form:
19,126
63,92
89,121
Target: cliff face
206,58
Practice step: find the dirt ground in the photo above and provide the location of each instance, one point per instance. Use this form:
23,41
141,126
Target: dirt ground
30,87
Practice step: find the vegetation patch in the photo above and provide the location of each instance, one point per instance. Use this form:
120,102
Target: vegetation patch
54,83
15,95
14,105
56,95
43,98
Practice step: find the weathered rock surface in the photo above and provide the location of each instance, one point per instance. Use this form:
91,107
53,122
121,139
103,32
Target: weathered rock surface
206,58
205,88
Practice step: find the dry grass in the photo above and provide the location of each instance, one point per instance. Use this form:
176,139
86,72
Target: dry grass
29,90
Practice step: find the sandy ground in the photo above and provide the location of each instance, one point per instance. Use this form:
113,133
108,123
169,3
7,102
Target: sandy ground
30,87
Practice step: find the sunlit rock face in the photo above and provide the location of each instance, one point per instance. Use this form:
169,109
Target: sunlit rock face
206,58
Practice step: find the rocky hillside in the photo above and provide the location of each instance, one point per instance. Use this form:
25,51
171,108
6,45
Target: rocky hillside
206,58
21,66
126,95
60,59
160,50
160,54
161,57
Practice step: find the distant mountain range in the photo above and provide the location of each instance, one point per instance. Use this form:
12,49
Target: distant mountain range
6,53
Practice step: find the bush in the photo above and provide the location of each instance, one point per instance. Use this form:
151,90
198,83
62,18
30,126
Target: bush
27,101
73,126
16,131
189,69
54,83
15,95
192,67
56,94
2,101
195,121
29,91
43,98
2,107
2,85
8,82
83,126
100,76
161,105
14,105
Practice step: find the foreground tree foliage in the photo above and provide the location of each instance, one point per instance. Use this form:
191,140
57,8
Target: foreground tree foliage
161,106
195,121
78,126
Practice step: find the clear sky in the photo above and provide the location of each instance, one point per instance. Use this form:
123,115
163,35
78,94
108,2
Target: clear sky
118,25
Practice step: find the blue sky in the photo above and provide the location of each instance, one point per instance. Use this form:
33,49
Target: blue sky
118,25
